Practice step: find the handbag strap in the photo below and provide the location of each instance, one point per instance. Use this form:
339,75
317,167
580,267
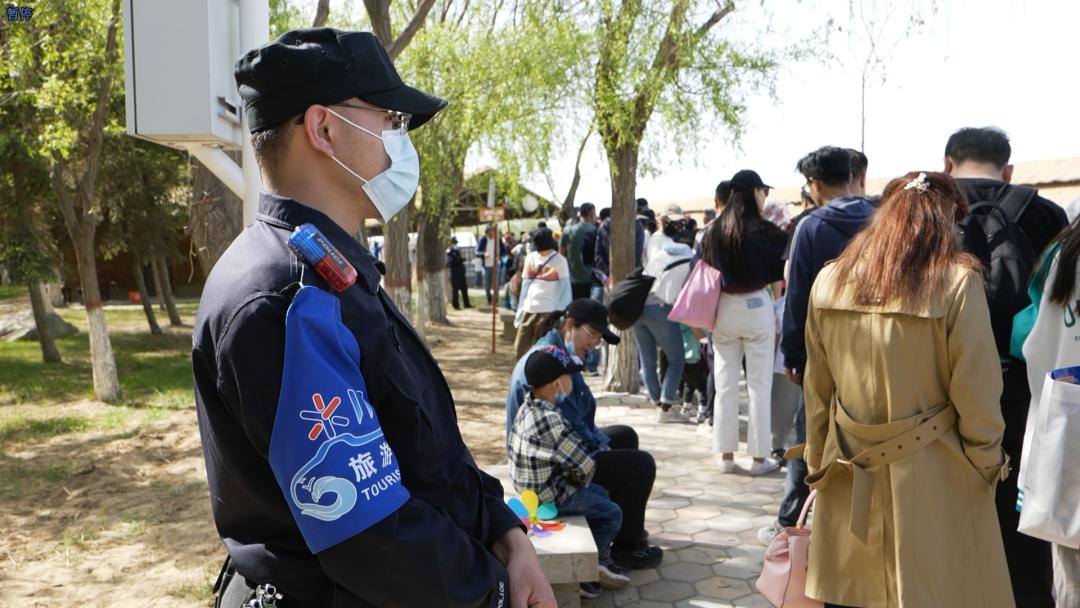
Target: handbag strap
801,523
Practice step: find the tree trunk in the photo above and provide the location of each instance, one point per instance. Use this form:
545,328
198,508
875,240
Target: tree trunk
170,301
430,273
144,296
106,382
157,285
398,279
39,304
623,371
215,218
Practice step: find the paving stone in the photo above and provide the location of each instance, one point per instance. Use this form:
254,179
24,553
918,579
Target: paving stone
731,524
684,526
752,498
737,569
660,515
702,554
639,578
684,491
704,602
717,538
686,572
668,502
753,601
701,511
723,588
624,596
667,591
672,541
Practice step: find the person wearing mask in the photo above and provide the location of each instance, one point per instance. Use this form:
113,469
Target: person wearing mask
903,430
979,160
624,470
820,237
670,264
573,245
1054,342
490,251
337,473
545,288
747,250
456,263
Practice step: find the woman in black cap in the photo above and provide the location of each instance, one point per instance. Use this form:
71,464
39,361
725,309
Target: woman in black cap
545,288
747,249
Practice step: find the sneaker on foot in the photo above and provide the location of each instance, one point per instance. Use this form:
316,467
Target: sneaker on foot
766,535
704,429
590,591
673,415
639,556
763,468
727,466
612,577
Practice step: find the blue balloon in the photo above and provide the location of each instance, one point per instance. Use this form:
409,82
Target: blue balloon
518,507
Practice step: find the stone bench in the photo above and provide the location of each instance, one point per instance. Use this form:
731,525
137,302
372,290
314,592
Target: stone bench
567,557
509,332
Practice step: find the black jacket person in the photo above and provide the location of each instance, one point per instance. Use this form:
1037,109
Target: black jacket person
287,364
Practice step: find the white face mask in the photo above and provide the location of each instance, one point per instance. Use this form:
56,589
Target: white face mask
392,189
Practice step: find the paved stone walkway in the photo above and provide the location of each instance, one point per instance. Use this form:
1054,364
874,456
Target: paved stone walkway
706,522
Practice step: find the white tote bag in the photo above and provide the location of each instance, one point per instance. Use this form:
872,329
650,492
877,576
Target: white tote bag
1051,468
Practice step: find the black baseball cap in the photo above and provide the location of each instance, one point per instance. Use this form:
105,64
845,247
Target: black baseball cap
547,364
747,180
595,315
544,239
283,78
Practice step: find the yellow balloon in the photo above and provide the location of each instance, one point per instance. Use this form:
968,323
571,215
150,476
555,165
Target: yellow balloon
531,502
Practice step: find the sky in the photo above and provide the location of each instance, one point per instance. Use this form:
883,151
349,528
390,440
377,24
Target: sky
1009,63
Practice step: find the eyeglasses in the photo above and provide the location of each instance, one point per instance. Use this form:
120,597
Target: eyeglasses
592,333
399,121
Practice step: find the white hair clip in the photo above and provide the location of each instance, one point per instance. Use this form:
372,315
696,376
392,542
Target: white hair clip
919,183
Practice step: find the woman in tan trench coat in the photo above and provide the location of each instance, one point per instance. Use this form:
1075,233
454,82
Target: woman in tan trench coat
903,426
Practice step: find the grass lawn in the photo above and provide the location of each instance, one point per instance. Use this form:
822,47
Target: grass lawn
10,292
39,399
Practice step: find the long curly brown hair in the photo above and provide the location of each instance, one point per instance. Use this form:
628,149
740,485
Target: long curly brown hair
904,255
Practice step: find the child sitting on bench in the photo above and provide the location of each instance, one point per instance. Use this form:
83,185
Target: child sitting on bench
547,457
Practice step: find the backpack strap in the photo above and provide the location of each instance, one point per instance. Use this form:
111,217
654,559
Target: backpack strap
1016,201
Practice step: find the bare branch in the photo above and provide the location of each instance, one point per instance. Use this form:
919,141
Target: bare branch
379,14
410,30
715,18
322,13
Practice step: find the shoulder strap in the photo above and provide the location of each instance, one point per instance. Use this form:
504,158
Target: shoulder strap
1016,201
676,263
544,265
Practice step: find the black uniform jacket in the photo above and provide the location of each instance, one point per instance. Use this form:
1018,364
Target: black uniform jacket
435,549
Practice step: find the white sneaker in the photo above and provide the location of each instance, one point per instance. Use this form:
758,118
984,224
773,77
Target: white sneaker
763,468
704,429
727,466
612,580
672,415
766,535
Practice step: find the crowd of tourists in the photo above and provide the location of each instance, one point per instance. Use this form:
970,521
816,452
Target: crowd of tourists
906,356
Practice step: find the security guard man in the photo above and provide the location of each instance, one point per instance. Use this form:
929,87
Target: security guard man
337,473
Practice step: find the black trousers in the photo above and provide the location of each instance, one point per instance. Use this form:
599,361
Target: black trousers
1030,566
580,290
627,473
459,284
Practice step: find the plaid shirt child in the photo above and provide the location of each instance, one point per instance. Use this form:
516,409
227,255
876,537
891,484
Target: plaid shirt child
546,456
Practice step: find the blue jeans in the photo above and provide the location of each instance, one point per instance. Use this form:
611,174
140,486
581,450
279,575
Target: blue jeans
487,282
654,330
795,489
603,515
592,360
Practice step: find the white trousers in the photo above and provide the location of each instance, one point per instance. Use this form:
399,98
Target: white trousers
745,326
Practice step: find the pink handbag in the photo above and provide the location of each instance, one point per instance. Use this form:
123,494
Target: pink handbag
783,573
697,302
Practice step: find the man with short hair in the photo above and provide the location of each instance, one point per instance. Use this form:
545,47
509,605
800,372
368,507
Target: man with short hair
572,245
979,160
490,251
819,238
859,165
337,472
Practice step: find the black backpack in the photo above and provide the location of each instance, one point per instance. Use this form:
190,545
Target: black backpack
991,233
627,299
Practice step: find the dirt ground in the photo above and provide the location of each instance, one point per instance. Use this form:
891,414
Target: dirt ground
122,517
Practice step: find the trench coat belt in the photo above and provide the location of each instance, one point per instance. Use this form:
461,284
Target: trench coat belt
896,440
